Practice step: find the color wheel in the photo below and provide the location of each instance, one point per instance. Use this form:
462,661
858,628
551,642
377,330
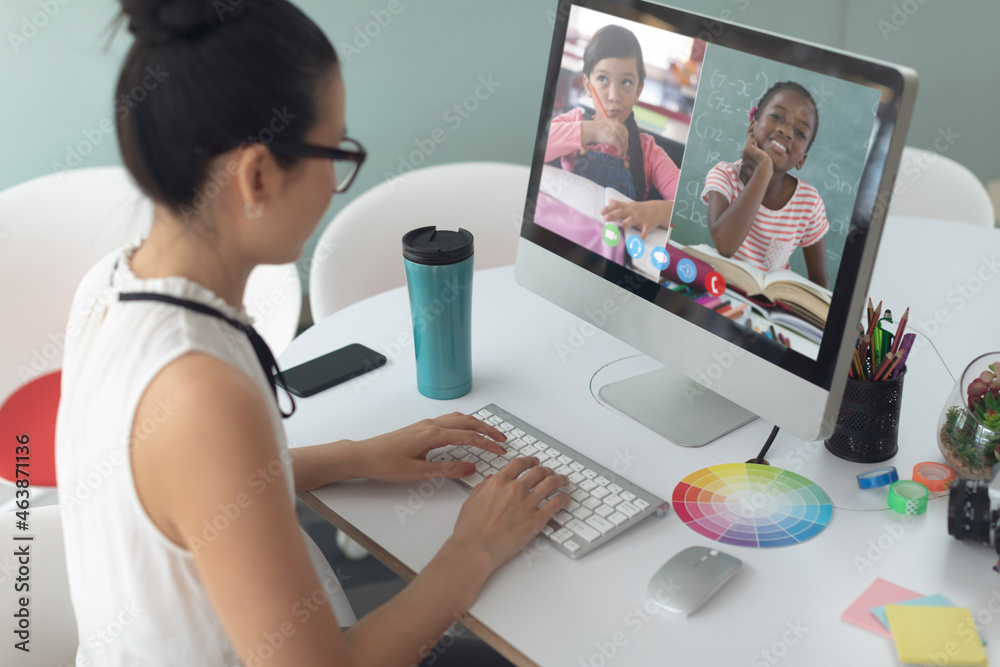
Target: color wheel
752,505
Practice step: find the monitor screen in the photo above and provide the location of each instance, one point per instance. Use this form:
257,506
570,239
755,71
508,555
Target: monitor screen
730,178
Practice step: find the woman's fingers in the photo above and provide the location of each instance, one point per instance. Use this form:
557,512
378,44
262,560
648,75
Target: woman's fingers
547,487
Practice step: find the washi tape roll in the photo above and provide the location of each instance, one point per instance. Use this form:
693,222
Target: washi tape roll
935,476
871,479
906,497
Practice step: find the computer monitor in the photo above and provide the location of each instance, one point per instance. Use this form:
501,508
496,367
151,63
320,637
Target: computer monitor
731,351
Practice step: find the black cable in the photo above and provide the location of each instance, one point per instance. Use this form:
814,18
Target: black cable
767,445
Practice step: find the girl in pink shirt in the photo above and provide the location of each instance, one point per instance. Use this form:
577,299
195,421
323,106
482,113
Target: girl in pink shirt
609,149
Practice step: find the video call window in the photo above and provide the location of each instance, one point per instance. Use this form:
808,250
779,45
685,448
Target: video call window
727,178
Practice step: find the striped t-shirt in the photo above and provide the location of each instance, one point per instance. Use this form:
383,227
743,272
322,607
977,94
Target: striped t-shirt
774,235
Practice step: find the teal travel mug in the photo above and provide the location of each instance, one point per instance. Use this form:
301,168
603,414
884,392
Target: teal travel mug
438,267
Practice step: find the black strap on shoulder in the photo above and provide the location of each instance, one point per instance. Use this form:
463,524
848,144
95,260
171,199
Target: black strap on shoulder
260,347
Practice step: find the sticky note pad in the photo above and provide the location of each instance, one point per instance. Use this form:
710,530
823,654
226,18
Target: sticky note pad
879,593
935,635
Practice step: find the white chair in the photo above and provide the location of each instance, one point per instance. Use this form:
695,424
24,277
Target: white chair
53,634
930,185
360,251
52,230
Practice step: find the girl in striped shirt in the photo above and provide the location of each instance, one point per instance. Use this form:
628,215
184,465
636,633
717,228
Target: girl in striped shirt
757,211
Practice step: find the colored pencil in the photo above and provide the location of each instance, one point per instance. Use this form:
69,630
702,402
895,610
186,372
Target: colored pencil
900,329
883,367
597,100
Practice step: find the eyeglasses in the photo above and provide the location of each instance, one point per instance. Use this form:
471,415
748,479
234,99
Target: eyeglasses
347,159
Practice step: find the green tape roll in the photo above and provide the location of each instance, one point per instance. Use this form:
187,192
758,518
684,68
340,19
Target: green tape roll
906,497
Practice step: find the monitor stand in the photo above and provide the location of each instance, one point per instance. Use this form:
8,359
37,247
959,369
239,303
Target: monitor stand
676,407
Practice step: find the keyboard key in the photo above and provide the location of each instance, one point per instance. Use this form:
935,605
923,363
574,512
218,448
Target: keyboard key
459,452
575,478
516,432
550,463
495,420
487,456
562,517
591,503
577,466
602,480
581,513
628,509
564,470
485,413
479,417
617,518
614,488
640,503
499,463
580,495
542,456
612,500
600,492
470,458
589,474
528,439
600,524
562,535
510,454
483,467
588,533
547,531
571,546
565,460
505,426
572,505
540,445
627,495
588,485
554,452
474,479
517,444
603,511
528,451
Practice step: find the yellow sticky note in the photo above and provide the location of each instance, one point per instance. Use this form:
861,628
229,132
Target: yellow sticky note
935,635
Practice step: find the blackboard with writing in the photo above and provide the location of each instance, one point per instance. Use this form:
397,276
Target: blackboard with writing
731,84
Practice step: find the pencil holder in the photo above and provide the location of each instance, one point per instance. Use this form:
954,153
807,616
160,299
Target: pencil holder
868,423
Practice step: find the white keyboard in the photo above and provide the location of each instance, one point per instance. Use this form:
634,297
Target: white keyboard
602,505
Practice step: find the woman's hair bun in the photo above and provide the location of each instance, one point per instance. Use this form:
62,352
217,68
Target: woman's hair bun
160,21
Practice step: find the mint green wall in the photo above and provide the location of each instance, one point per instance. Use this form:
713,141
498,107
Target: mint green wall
58,81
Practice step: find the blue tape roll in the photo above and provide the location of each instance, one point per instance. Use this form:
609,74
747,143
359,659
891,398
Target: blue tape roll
871,479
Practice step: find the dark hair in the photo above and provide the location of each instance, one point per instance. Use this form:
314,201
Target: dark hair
613,41
795,87
206,76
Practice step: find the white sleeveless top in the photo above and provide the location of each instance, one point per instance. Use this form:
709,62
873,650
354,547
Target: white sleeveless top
137,596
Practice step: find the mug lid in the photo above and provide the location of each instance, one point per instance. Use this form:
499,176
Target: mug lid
429,245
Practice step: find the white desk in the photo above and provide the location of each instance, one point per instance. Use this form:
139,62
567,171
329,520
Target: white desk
545,608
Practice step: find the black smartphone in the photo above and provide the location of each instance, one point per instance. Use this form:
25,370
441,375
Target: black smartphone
331,369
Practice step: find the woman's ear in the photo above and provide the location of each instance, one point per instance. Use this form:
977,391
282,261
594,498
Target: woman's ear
251,168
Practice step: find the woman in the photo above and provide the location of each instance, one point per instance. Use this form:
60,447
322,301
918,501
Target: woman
193,535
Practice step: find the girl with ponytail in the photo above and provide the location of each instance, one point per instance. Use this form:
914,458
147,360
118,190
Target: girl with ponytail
608,148
190,541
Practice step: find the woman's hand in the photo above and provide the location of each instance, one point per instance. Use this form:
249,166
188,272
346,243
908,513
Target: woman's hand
646,215
401,456
605,131
754,158
506,510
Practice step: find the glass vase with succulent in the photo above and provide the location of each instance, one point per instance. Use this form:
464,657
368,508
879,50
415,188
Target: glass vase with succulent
969,428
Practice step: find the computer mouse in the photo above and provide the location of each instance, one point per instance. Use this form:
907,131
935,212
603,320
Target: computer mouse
686,582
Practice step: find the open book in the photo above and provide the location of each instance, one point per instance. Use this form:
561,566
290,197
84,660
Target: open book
781,286
590,198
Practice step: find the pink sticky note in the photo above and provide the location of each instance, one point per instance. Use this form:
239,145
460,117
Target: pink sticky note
881,592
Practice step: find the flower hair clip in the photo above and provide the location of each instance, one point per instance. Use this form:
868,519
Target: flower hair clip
752,112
